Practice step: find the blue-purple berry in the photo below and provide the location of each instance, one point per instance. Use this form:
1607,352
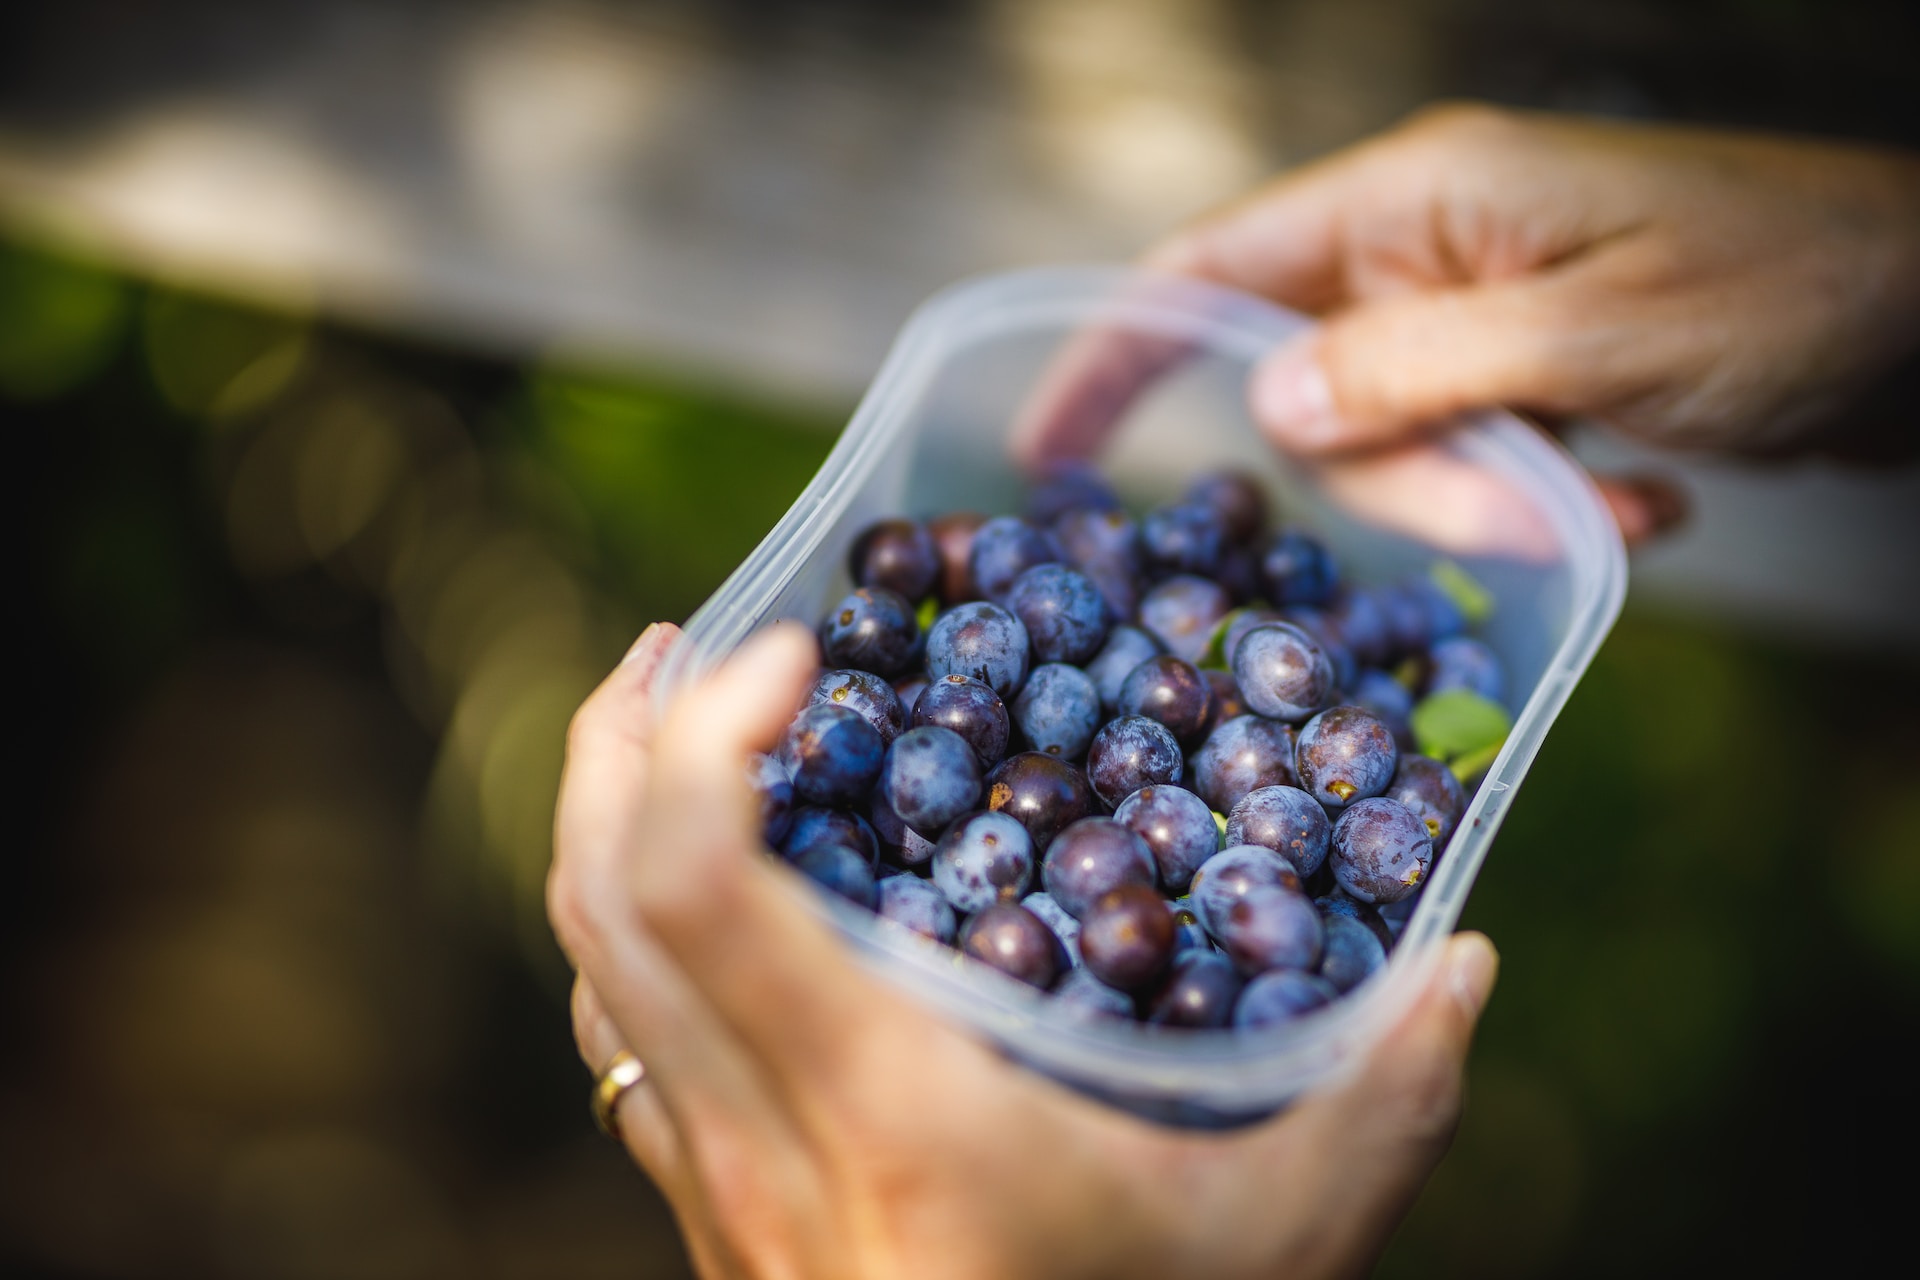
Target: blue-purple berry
833,754
1280,997
1058,710
1380,851
1286,820
930,777
1345,754
1232,874
1004,548
1128,753
981,641
912,903
899,555
1013,940
839,870
872,629
813,827
1242,755
1063,611
1199,991
1434,795
1090,859
872,697
1181,613
1282,672
1177,827
1269,927
971,709
1126,648
984,858
1172,692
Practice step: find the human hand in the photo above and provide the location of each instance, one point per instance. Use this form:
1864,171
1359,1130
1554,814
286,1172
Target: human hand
805,1118
1700,290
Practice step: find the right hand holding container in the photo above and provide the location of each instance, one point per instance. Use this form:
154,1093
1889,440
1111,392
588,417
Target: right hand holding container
1704,290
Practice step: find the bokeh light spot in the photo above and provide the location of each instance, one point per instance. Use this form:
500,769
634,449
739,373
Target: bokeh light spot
218,362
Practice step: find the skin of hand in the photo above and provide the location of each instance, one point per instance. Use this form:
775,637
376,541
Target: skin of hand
1701,290
804,1118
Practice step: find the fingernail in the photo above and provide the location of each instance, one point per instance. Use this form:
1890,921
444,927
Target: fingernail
641,645
1471,968
1629,515
1293,399
1664,500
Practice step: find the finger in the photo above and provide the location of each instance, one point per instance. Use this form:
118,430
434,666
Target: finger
609,735
1451,503
1386,1128
646,1130
607,753
1284,240
739,973
739,926
619,706
711,1090
1644,505
645,1127
601,819
1087,389
1280,241
1390,369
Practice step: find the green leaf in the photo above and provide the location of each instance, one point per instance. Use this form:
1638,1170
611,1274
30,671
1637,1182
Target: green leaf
929,611
1459,722
1470,766
1220,821
1215,654
1474,601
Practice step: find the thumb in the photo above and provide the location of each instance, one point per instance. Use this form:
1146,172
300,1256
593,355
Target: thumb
1406,1097
1388,369
1387,1127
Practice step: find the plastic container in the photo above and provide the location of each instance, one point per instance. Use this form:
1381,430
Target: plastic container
932,434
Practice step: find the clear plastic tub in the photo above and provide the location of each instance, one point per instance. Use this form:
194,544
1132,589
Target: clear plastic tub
933,434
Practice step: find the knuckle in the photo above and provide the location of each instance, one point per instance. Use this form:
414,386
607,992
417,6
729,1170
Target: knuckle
586,725
1372,368
612,714
574,922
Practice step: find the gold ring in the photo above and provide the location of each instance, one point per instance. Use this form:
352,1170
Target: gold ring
622,1074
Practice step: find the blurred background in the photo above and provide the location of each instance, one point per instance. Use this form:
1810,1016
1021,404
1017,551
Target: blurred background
375,371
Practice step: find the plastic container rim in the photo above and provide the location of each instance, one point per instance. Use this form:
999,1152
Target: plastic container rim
1221,1069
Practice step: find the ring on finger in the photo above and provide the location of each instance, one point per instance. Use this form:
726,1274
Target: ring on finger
622,1074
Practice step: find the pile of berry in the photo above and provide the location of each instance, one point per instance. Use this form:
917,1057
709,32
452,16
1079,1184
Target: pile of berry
1163,769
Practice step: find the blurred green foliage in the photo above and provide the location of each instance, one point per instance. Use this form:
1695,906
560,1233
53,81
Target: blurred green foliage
60,321
677,483
115,544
